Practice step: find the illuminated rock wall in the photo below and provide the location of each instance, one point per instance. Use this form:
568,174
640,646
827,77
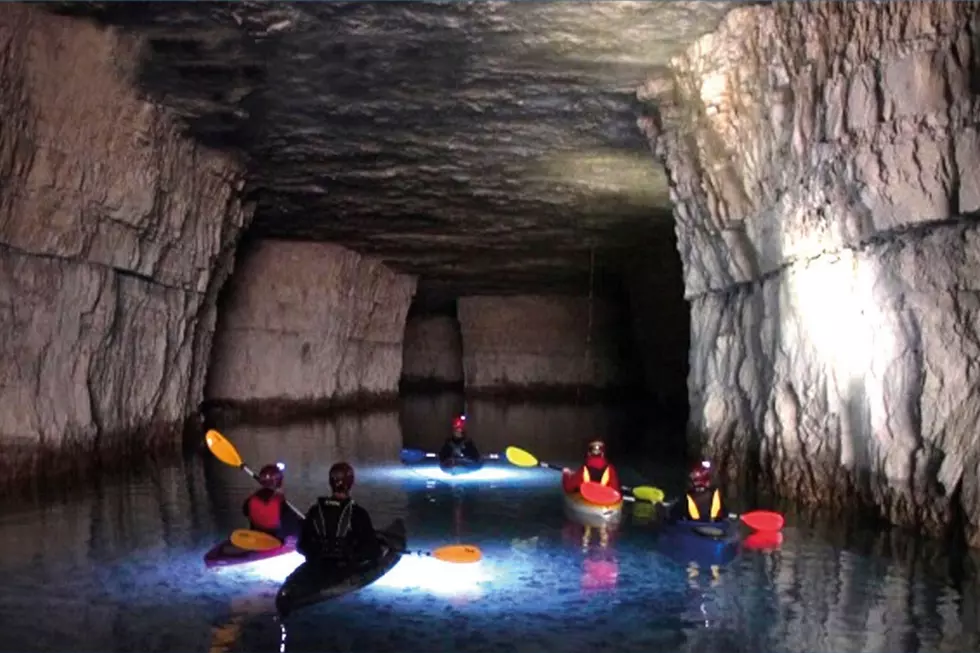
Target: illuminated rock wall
116,233
309,322
823,161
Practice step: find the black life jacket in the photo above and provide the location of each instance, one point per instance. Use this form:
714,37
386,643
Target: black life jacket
332,523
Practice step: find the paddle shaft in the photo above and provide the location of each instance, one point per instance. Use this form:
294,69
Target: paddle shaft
248,470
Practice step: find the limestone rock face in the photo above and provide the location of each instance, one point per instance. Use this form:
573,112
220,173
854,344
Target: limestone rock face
823,161
307,321
538,341
115,235
433,350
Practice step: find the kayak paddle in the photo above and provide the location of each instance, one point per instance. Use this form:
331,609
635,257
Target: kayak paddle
411,456
254,540
601,495
763,520
520,458
226,452
455,553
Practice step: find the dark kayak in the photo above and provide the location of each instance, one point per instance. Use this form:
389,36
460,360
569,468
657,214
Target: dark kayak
225,554
457,466
714,543
311,584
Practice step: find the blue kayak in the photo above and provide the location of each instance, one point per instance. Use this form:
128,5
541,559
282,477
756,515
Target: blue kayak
458,466
714,543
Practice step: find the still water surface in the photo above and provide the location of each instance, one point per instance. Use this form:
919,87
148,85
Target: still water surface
119,567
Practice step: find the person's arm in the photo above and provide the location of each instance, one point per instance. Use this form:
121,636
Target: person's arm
245,506
614,479
307,535
571,481
367,538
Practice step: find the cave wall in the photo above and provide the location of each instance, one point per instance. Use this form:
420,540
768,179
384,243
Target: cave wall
309,322
531,342
823,161
433,352
115,234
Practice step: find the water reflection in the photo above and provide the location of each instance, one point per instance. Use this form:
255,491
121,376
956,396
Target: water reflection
115,566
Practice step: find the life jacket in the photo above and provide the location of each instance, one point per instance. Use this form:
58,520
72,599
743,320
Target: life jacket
265,515
694,513
332,523
588,474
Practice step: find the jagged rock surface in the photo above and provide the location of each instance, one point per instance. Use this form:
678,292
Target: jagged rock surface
433,351
542,342
115,234
487,145
823,162
305,321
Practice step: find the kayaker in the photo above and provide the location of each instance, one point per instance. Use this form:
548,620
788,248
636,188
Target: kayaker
458,446
337,530
702,501
596,469
266,508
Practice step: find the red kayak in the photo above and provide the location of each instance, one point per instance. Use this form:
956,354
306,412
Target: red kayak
225,554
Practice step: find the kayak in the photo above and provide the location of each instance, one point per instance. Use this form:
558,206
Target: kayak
312,584
458,466
591,514
714,543
226,554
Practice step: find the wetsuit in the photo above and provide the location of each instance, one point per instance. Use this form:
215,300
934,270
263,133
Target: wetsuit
338,530
267,512
463,449
597,470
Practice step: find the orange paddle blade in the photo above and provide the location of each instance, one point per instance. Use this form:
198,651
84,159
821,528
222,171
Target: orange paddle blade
222,449
763,520
254,540
601,495
458,553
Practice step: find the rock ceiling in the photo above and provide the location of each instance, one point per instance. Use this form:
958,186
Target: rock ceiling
486,145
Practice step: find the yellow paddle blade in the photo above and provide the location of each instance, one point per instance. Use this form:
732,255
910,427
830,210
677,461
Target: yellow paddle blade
222,449
458,553
254,540
520,457
648,493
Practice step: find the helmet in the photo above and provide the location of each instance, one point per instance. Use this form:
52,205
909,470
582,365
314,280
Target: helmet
271,477
700,474
597,448
459,424
341,477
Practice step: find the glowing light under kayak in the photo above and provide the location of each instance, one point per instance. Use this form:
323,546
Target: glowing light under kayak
271,569
435,577
490,474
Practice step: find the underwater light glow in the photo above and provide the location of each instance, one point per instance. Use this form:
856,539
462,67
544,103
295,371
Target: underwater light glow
491,474
271,569
435,577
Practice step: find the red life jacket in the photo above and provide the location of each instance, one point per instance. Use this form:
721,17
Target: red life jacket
265,515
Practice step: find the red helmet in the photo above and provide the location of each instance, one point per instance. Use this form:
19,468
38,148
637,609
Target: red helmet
700,474
271,477
459,424
341,478
597,448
